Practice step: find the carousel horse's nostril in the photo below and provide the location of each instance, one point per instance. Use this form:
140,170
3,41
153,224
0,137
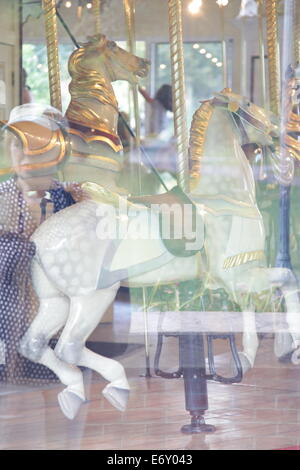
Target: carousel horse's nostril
144,63
33,348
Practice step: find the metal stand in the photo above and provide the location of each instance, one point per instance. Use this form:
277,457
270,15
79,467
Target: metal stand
283,259
192,369
192,362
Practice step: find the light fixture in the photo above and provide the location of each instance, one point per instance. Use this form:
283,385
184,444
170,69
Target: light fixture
222,3
89,5
208,55
68,4
202,51
214,60
219,64
196,46
162,66
194,6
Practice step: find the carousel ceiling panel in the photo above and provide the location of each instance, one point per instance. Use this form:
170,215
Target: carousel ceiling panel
151,20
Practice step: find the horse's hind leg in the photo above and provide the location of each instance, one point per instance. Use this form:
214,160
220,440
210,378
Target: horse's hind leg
85,314
52,315
287,342
250,342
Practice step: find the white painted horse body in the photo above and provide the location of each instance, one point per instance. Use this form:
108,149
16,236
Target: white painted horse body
76,275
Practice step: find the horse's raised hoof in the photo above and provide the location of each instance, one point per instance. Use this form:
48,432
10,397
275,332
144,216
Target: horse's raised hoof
117,397
69,403
283,345
245,363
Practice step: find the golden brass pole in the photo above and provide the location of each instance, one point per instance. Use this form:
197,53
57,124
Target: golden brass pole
224,46
178,87
297,32
49,7
262,54
129,8
97,13
273,56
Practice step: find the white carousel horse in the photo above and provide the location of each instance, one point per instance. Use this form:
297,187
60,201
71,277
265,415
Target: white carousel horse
77,271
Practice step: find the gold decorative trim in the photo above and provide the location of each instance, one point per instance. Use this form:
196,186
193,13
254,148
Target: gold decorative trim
97,157
243,258
96,138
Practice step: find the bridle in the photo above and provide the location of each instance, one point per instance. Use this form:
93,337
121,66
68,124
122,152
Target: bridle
239,116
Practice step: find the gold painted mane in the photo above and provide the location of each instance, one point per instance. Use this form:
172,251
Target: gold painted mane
198,131
86,84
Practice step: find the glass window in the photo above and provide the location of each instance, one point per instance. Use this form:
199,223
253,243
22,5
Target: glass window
203,71
34,57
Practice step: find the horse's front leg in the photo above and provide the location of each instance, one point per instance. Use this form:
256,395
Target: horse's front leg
85,314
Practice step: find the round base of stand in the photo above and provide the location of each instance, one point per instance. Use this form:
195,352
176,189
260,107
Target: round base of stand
147,375
197,426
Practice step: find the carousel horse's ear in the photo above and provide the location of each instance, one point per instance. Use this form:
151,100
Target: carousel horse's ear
224,95
98,40
221,97
230,99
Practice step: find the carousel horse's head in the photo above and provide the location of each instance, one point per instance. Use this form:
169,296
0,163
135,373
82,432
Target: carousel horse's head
34,145
249,124
99,55
255,124
292,112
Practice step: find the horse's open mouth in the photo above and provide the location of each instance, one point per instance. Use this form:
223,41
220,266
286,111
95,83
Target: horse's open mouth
144,69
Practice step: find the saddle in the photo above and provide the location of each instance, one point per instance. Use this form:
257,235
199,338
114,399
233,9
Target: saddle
178,217
186,225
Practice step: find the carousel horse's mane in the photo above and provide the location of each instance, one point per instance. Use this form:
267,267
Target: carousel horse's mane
198,131
87,84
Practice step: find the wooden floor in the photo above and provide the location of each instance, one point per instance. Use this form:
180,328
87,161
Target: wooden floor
263,412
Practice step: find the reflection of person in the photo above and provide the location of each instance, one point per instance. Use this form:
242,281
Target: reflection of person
20,214
26,91
159,140
160,105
